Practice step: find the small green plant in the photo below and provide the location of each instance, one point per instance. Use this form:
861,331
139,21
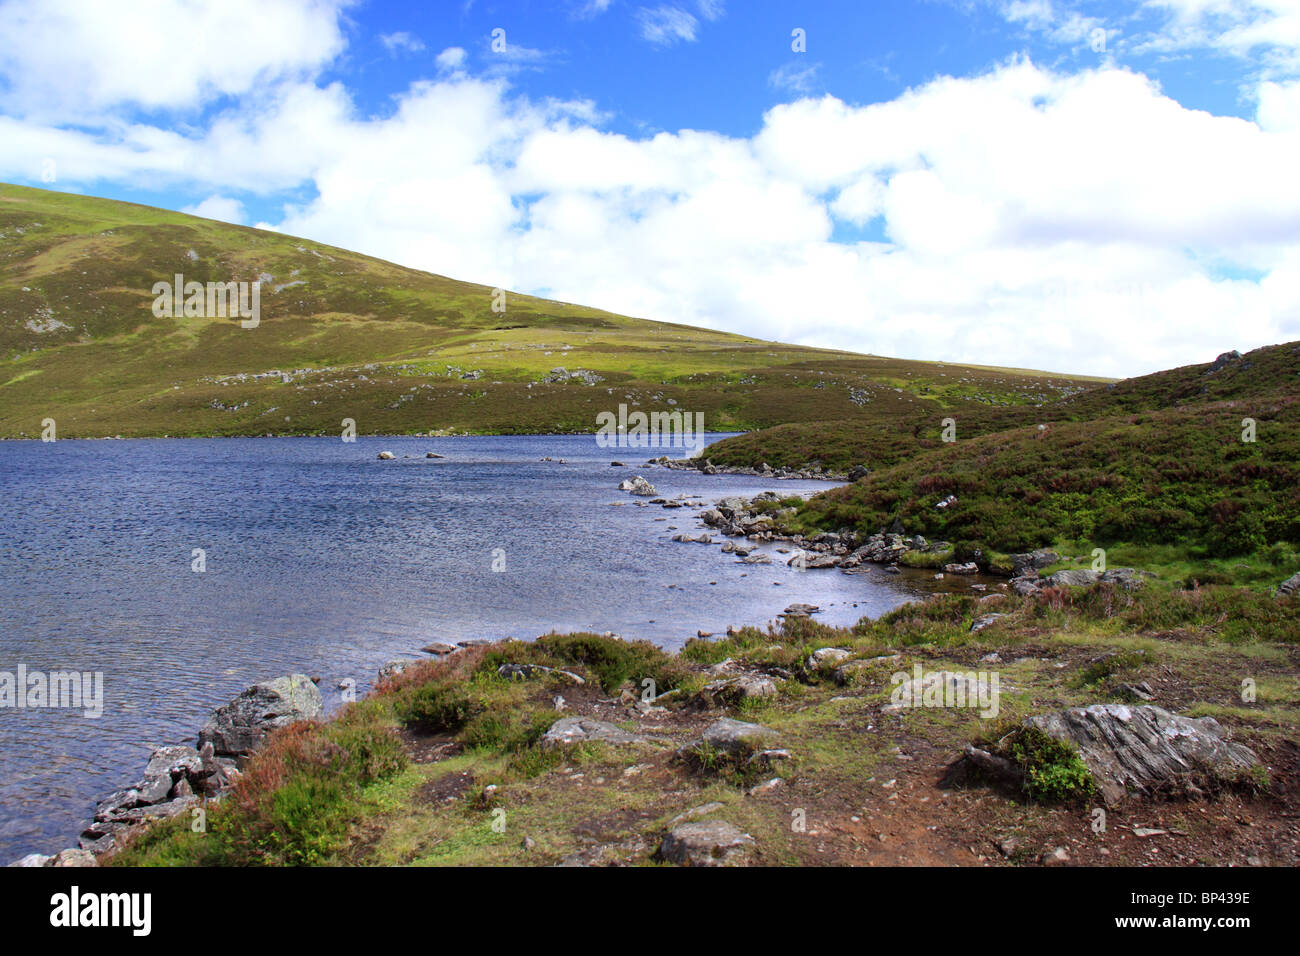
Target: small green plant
1053,770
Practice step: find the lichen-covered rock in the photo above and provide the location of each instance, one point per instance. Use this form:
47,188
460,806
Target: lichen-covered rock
238,728
1146,749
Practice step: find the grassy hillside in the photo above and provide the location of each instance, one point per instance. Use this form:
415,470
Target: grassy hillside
344,335
1157,462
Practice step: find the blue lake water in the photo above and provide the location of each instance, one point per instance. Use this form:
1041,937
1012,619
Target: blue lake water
321,559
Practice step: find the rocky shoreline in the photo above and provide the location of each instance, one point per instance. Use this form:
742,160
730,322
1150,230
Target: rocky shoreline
180,778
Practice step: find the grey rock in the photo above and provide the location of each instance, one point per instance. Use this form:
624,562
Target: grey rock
391,669
238,728
1074,578
33,859
982,622
826,655
735,689
1146,749
736,737
706,843
638,485
74,857
1290,586
577,730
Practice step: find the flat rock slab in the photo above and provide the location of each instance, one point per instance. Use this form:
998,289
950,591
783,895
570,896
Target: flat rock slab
707,843
578,730
1145,749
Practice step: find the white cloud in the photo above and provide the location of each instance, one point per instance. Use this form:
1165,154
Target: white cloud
452,58
401,42
222,208
664,26
795,77
63,57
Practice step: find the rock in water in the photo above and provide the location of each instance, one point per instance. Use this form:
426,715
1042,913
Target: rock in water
709,843
1145,749
238,728
638,486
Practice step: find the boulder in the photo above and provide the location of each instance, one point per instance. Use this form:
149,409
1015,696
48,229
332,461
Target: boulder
733,690
735,737
33,859
1290,586
1146,749
578,730
385,456
1032,560
826,655
705,843
966,567
801,610
238,728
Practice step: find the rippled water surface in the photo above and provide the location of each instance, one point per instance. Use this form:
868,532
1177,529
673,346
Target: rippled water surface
323,560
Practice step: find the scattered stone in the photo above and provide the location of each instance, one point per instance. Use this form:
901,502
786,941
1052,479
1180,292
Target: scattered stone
968,567
1055,857
385,456
439,649
982,622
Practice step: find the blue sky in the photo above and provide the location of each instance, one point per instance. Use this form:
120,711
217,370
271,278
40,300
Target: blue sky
928,179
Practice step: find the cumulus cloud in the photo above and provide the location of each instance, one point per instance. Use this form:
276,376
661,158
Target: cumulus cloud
63,57
222,208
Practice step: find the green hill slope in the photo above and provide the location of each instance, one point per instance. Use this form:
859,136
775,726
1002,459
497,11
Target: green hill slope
342,335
